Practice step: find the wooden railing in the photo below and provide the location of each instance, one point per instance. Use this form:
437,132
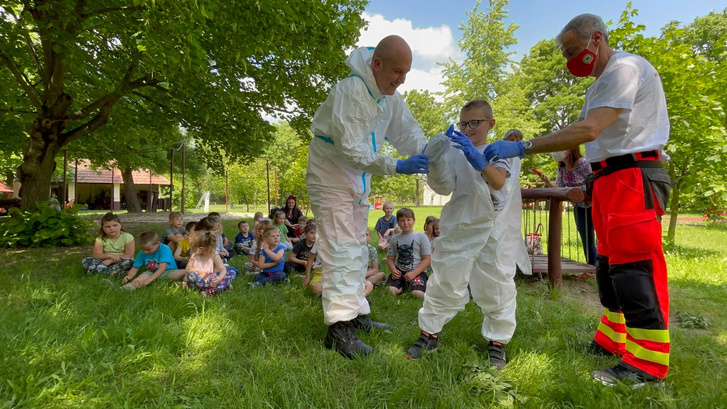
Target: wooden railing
556,196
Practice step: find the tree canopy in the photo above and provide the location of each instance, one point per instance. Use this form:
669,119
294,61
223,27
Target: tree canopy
215,68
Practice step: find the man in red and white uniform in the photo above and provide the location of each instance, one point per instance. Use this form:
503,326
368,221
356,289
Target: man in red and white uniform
624,125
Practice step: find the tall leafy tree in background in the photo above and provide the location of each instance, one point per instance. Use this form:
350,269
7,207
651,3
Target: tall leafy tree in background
288,157
539,96
484,42
694,86
217,66
428,111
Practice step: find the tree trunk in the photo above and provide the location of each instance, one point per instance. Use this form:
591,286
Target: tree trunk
39,162
132,201
674,208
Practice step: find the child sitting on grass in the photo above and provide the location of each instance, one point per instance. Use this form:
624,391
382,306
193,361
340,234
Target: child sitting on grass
301,251
300,227
184,249
279,223
408,256
224,253
313,272
205,271
113,251
385,224
253,266
244,239
273,258
175,232
373,275
156,257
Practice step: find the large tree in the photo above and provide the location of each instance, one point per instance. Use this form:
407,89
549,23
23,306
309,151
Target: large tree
216,66
484,42
538,97
694,87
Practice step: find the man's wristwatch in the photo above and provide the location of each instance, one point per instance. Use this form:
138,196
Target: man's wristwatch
526,146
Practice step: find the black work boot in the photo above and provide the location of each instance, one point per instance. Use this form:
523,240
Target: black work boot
342,339
596,349
623,374
364,323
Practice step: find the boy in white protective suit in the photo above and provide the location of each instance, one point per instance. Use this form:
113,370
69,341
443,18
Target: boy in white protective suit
467,245
509,221
350,127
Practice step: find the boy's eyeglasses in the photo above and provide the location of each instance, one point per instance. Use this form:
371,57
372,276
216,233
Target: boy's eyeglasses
472,124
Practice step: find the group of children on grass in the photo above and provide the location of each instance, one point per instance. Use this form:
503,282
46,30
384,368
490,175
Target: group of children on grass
198,253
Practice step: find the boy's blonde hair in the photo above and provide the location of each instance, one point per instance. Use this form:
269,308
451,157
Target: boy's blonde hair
147,238
175,215
387,203
479,104
268,231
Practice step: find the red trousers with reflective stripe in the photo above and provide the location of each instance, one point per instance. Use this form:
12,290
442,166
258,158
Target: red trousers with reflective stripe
631,270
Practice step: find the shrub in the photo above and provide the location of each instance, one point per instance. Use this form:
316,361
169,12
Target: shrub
45,227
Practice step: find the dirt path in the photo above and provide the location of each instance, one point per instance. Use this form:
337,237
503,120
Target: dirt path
138,219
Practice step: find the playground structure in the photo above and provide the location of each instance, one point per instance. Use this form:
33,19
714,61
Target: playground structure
551,200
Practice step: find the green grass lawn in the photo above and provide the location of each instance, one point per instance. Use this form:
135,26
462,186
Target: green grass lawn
68,341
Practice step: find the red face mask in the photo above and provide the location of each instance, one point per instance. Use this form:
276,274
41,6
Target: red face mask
582,64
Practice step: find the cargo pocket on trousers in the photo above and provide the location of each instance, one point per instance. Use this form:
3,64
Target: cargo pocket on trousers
633,236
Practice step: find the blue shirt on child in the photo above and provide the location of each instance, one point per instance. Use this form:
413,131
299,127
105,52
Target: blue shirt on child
244,240
277,267
382,225
152,261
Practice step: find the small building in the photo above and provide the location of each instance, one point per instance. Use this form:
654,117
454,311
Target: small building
432,198
6,192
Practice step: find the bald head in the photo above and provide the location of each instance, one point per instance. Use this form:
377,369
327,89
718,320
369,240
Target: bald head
392,47
390,63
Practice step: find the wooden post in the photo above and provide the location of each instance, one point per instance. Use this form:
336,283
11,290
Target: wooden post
556,196
275,191
227,194
75,182
111,204
64,195
267,169
555,274
171,181
149,196
184,170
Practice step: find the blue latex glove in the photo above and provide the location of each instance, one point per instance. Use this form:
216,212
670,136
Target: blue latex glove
504,150
463,143
414,164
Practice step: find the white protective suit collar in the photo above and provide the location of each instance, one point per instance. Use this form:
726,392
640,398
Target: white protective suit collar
360,63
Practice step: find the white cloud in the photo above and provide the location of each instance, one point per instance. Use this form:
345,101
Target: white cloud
430,43
423,80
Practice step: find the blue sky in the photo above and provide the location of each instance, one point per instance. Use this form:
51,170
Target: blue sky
431,26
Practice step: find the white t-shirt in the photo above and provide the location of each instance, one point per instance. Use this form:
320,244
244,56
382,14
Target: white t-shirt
631,83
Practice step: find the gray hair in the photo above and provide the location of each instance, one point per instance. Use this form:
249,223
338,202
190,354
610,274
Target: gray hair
585,25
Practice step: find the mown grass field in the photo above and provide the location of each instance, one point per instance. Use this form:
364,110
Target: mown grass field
68,341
